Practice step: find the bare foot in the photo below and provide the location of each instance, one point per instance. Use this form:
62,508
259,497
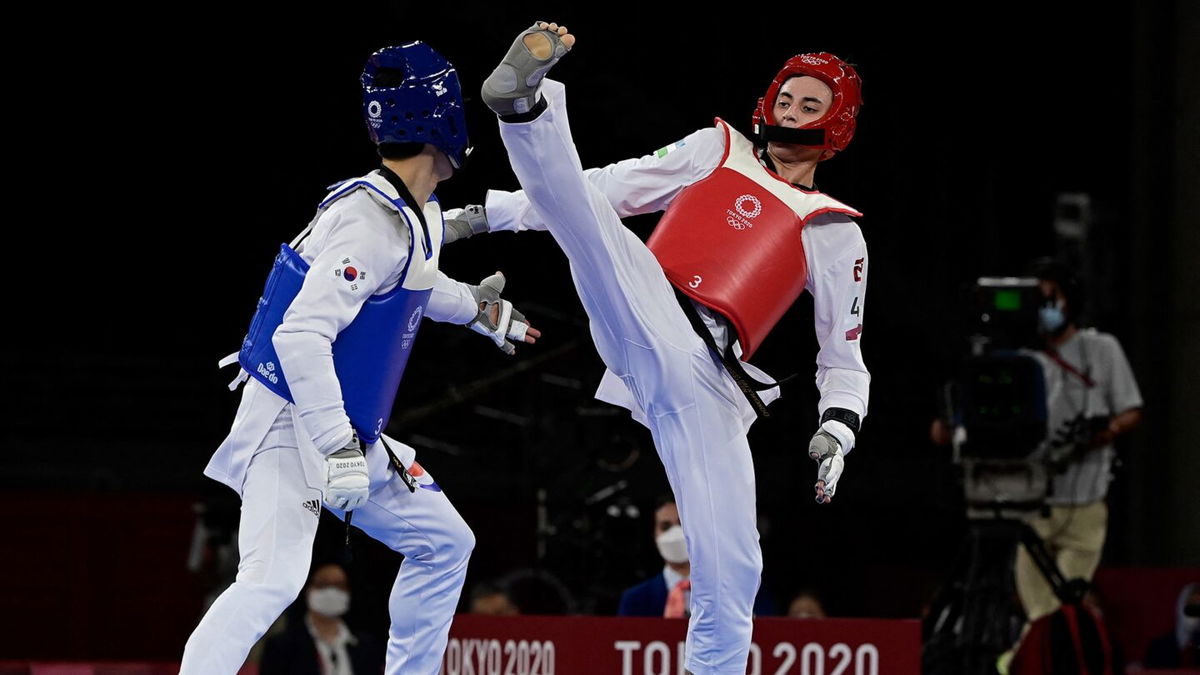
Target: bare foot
541,46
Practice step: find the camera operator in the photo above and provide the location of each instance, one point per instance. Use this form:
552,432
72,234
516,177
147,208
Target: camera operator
1092,398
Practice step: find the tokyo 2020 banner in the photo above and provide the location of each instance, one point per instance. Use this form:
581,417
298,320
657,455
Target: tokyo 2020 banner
580,645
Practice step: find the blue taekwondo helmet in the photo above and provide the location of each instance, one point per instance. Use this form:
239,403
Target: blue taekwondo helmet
411,94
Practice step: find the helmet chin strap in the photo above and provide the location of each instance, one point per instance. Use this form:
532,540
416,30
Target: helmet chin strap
813,138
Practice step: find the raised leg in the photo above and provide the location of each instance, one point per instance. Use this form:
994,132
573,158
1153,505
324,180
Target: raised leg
690,402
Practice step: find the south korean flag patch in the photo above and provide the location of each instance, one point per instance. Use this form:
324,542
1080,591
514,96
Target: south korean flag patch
350,272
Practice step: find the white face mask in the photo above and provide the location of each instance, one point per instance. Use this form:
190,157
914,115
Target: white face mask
1051,318
329,601
671,545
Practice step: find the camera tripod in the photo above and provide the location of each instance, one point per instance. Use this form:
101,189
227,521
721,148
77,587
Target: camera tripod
976,616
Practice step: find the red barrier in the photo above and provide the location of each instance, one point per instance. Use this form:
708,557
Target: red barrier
1139,603
581,645
100,668
88,668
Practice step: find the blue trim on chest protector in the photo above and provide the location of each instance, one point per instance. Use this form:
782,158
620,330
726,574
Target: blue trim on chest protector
347,187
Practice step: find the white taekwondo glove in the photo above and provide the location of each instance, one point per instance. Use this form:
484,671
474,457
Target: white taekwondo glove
508,322
828,448
346,480
465,222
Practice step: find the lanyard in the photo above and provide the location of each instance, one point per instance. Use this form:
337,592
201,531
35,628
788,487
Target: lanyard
1065,365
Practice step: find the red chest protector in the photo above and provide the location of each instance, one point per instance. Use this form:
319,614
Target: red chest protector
731,241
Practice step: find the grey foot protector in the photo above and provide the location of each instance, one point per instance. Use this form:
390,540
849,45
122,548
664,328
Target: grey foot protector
512,88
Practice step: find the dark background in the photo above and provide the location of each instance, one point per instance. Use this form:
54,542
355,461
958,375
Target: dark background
165,156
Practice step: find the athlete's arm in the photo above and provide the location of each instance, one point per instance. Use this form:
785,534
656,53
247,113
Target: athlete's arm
355,250
837,279
451,301
463,223
650,183
632,187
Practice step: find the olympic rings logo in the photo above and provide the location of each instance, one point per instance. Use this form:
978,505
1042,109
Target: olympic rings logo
415,319
755,206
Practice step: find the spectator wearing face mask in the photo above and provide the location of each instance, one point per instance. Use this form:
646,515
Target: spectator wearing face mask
321,643
1181,647
668,594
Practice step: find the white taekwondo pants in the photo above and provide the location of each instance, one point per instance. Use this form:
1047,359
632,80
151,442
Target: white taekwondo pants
690,401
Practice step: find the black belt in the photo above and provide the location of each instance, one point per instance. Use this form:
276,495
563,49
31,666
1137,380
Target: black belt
409,481
749,386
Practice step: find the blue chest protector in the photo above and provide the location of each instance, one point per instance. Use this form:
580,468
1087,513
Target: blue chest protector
369,355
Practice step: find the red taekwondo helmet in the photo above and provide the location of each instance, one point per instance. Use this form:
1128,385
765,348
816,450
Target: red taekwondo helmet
834,130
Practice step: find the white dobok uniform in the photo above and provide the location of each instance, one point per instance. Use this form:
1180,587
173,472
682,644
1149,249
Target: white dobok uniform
659,368
274,456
